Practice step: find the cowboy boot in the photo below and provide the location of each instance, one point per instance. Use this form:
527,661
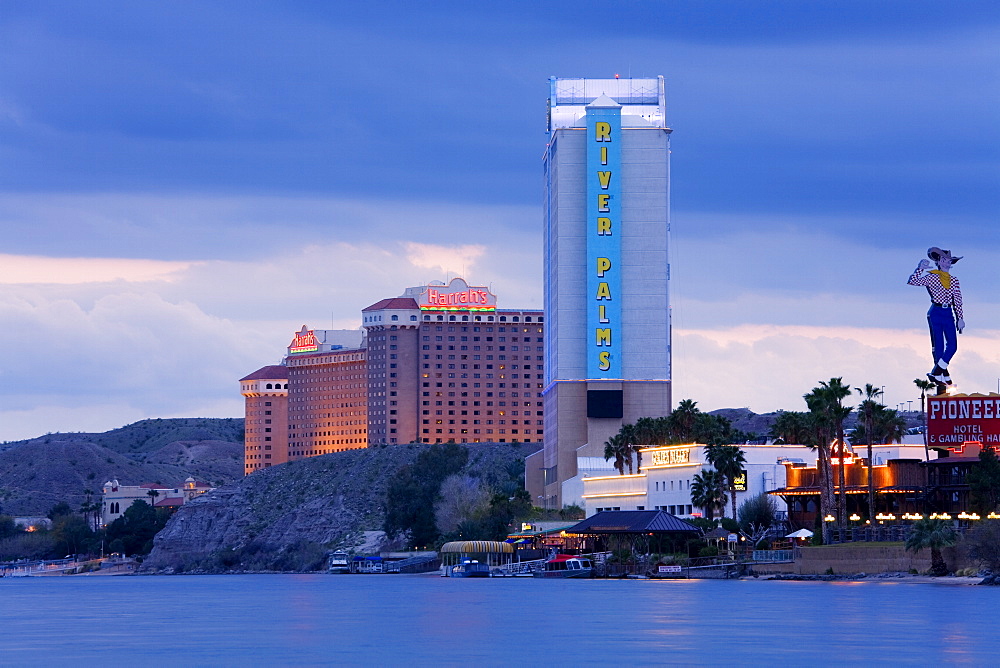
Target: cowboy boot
938,375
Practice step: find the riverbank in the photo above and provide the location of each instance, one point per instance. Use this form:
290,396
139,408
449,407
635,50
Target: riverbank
904,578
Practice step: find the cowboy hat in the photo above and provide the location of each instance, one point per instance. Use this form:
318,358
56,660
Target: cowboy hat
936,254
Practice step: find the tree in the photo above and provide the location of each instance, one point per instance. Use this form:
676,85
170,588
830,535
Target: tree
729,461
152,494
59,510
826,403
924,385
136,527
72,535
684,417
91,509
984,546
791,427
412,492
461,498
756,516
936,535
8,527
618,449
867,409
708,492
984,482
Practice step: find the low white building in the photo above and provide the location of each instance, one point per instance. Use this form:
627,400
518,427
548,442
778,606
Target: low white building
118,497
664,482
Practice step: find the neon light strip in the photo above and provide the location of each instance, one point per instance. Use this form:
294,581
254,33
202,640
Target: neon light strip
617,477
671,466
597,496
484,309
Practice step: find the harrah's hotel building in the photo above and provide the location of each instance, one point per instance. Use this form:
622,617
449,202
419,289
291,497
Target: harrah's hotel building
438,363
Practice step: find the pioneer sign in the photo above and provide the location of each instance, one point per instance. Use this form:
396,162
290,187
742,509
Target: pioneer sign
954,420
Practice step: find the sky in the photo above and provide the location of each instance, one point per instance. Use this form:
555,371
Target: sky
183,185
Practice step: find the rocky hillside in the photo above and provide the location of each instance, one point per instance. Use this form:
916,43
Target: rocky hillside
38,473
287,516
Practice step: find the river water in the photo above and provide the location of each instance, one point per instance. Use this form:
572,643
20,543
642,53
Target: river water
231,620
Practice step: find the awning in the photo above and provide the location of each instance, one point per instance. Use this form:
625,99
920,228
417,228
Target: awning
476,546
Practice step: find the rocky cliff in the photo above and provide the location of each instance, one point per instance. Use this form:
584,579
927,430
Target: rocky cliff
287,516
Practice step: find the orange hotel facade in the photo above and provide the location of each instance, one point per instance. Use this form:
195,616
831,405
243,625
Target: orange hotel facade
438,363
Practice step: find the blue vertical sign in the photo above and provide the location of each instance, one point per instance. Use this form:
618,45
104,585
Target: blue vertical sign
604,131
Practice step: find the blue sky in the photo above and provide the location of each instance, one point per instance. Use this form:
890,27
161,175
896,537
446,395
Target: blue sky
184,184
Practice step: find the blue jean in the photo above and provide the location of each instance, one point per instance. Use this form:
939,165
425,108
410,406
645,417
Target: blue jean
944,336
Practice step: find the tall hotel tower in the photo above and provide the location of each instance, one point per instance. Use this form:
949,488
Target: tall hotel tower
607,207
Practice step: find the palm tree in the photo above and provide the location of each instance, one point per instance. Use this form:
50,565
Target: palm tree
708,491
616,447
792,427
152,494
867,409
827,399
889,426
924,385
819,438
683,420
935,534
729,461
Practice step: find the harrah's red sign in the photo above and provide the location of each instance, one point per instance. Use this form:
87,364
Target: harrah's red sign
951,421
305,341
457,296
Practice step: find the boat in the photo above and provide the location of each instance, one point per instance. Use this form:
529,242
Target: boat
339,562
470,568
565,566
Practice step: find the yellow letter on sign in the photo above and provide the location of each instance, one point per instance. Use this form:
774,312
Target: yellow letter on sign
604,360
603,264
602,131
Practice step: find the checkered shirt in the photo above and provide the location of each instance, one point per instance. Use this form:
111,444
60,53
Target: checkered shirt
951,296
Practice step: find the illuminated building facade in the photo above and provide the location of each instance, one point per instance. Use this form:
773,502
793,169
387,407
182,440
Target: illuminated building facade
446,364
439,363
327,393
265,439
664,483
607,340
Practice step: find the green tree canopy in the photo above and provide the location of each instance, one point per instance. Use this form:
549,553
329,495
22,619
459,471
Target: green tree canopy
708,492
137,526
729,461
412,492
933,534
984,482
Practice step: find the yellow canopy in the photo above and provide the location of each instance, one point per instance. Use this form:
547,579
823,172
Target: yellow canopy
477,546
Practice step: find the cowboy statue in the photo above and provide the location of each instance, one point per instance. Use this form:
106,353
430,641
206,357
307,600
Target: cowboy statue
945,314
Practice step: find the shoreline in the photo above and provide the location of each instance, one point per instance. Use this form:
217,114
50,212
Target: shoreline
905,578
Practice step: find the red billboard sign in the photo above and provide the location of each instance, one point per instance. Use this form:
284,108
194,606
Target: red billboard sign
955,420
456,296
305,341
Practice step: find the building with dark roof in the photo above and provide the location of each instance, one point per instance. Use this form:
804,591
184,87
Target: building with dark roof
438,363
445,364
265,439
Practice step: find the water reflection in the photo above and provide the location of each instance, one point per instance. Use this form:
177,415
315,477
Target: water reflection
360,620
